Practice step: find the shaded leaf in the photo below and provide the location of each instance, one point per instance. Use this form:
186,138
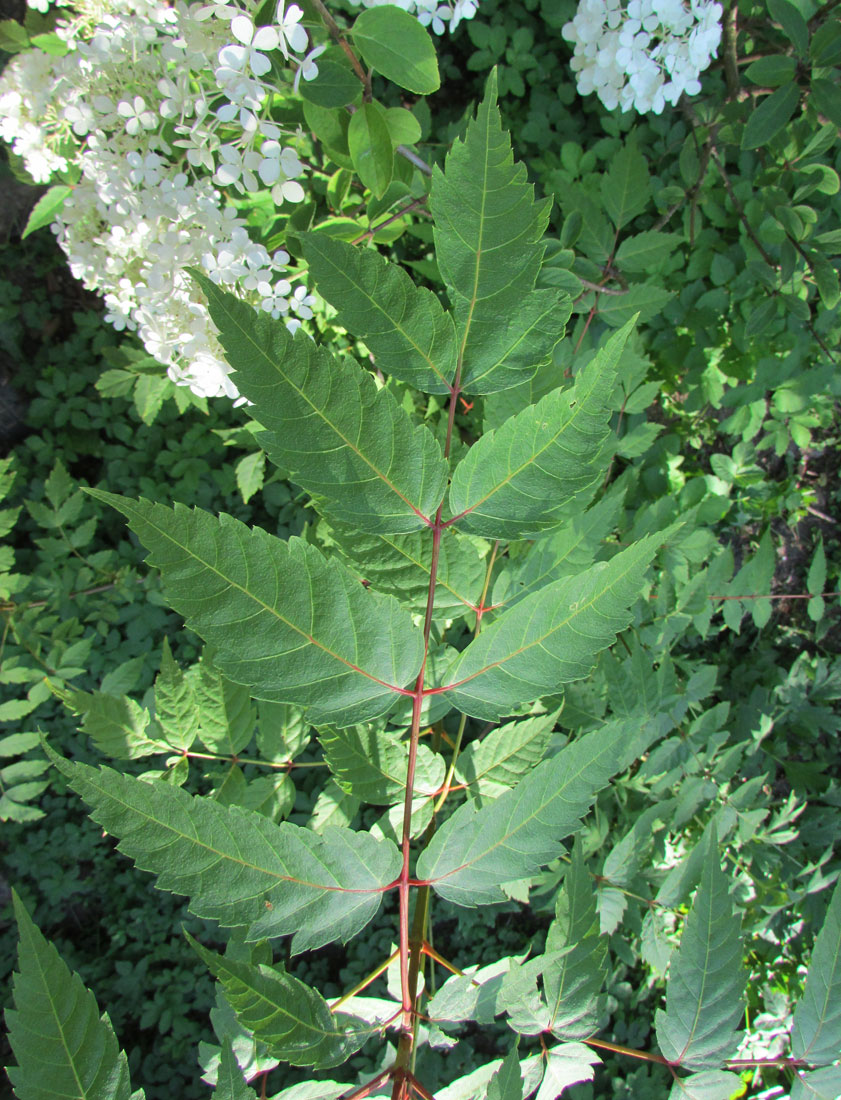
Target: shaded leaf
371,764
235,865
712,1084
63,1047
225,714
506,1083
176,711
293,1020
290,625
46,208
230,1084
492,765
117,725
626,187
820,1084
816,1030
765,121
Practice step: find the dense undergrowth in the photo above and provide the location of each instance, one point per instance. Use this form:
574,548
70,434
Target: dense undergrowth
726,409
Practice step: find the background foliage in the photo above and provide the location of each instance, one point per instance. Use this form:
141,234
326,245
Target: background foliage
718,222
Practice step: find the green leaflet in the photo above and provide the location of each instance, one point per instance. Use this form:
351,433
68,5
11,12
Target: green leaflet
226,716
515,482
572,983
371,765
506,1083
399,565
405,326
475,851
820,1084
493,765
339,436
62,1045
116,724
293,1020
230,1084
235,865
566,1064
175,703
283,620
551,637
488,231
572,548
706,981
710,1084
816,1031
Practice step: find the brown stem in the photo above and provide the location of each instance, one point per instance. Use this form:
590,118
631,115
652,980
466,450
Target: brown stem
729,33
340,40
369,234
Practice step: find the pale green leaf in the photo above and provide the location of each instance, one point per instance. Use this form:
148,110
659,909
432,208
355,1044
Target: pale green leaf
712,1084
328,424
515,482
333,807
230,1084
473,994
62,1045
551,637
46,208
225,715
706,981
406,328
492,765
371,764
176,711
488,240
477,850
566,1065
400,565
820,1084
293,1020
118,726
572,983
371,150
235,865
646,250
394,44
250,474
283,621
816,1031
283,732
565,552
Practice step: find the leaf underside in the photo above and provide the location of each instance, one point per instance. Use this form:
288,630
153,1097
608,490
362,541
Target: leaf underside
816,1030
62,1045
236,865
284,621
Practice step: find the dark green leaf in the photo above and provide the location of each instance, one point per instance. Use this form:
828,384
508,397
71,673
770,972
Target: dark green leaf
328,424
230,1084
771,72
625,187
816,1031
794,25
766,120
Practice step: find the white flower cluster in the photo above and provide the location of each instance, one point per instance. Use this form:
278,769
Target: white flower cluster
160,105
646,55
431,13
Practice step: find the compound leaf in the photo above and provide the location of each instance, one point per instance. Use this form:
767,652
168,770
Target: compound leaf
706,980
516,481
488,241
551,637
816,1030
405,326
293,1020
339,436
284,621
236,865
62,1045
477,850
